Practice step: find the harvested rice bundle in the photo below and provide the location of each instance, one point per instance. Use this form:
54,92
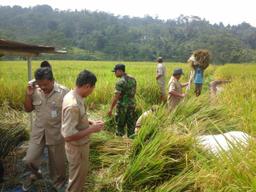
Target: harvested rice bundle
12,129
11,136
200,57
114,149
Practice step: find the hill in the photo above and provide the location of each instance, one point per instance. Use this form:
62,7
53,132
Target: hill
112,37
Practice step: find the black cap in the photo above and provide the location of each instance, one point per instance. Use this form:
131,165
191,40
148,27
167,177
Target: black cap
178,71
160,59
119,67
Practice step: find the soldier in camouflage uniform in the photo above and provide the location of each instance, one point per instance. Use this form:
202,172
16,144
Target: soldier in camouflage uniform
124,100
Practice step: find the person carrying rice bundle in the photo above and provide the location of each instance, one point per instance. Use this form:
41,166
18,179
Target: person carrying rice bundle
198,61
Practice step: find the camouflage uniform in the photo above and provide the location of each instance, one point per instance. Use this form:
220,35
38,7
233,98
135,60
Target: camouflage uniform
125,109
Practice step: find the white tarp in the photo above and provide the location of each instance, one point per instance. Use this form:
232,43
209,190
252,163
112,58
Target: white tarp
223,142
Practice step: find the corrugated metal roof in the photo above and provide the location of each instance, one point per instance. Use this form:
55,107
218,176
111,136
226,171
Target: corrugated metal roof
8,47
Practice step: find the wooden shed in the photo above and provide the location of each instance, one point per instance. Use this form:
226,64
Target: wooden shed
13,48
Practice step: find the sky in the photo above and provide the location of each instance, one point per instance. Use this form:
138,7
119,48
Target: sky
226,11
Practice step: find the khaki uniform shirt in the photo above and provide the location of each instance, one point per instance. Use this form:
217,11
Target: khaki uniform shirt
160,70
47,108
174,85
74,117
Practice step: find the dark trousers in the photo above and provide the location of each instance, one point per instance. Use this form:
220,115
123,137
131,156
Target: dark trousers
125,116
198,88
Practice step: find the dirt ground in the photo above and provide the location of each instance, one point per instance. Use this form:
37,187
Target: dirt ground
15,172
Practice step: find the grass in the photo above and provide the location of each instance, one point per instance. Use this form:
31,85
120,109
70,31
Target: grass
164,156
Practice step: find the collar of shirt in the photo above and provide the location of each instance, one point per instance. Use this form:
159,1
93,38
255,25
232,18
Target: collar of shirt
78,97
174,79
56,88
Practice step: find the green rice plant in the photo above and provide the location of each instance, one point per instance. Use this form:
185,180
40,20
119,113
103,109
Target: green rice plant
233,71
164,155
240,98
114,148
161,158
229,171
164,146
14,77
149,129
185,181
200,116
110,155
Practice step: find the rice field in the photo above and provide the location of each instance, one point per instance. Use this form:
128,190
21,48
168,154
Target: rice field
13,76
164,156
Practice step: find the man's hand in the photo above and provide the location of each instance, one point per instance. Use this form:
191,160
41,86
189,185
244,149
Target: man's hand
28,106
183,95
97,126
188,86
30,90
110,113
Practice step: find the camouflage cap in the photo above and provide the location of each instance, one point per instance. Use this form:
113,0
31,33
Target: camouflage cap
119,67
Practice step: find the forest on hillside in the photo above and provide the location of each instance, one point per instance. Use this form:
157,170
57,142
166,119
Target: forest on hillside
88,35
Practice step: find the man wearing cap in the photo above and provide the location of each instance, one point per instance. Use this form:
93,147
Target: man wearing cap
124,100
160,77
175,89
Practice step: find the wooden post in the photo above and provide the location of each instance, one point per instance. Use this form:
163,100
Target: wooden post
29,69
29,78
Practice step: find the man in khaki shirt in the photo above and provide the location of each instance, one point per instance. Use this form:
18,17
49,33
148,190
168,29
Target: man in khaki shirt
175,89
160,77
44,97
76,129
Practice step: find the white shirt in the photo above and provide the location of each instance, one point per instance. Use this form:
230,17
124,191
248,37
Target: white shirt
160,70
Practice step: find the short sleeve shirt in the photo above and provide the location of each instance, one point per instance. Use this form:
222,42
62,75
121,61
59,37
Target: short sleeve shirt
47,109
74,117
198,78
160,69
174,85
126,86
